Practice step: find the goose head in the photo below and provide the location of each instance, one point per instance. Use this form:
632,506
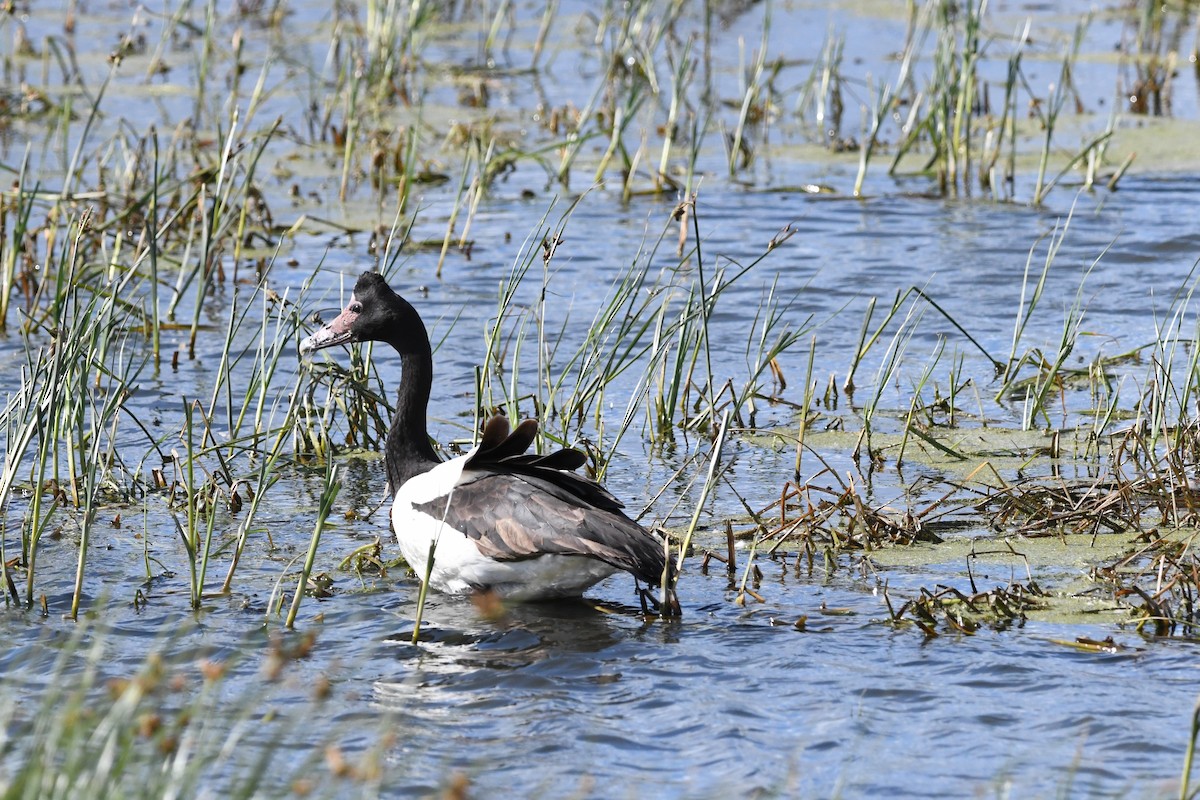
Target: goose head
375,313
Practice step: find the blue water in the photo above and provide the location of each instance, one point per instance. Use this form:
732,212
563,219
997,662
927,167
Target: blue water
733,700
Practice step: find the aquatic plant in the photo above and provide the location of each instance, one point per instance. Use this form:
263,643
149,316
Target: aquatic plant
164,728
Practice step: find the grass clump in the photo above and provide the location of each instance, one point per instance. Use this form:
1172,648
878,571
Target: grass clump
171,727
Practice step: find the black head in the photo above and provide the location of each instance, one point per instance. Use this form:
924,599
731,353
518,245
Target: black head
374,314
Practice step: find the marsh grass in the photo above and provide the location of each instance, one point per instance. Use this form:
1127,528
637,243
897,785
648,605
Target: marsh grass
175,216
950,131
1137,481
652,324
130,247
164,728
1135,451
71,430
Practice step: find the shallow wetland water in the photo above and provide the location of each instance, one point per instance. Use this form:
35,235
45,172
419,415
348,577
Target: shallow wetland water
983,586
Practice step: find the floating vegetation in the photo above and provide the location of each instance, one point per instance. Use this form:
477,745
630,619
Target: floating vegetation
1159,581
950,609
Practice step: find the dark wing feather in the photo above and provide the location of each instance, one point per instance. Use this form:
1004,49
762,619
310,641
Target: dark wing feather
494,433
498,449
513,517
560,459
497,443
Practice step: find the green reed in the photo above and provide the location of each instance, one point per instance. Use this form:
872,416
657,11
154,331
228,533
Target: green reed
1064,88
774,331
911,425
266,477
329,493
829,101
888,368
710,480
883,105
652,324
27,417
681,76
805,410
21,424
459,198
194,509
15,231
1185,780
753,91
994,149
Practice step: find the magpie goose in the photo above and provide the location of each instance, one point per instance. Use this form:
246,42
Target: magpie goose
522,525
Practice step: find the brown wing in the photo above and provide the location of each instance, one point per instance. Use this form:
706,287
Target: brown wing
513,517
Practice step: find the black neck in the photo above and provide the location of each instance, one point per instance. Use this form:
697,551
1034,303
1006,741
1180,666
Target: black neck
408,450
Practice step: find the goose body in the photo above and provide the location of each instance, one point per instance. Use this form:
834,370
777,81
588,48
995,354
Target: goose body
473,540
521,525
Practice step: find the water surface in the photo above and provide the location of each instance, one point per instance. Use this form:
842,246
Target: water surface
732,700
